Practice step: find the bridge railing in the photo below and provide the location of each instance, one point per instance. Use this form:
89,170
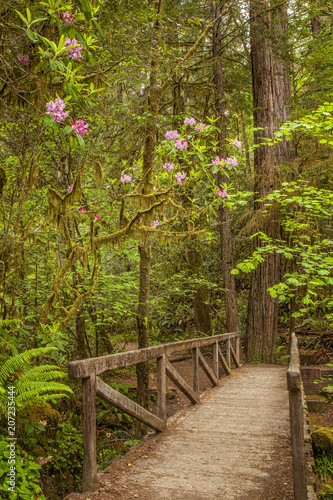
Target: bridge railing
92,386
297,421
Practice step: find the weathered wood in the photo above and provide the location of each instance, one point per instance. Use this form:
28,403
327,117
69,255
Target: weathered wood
126,405
237,350
228,343
82,368
206,368
234,356
161,388
89,481
195,368
216,360
297,423
224,363
180,383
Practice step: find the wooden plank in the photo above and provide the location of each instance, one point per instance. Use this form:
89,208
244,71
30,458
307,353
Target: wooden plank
180,383
228,343
126,405
216,360
82,368
89,481
161,388
237,349
195,368
208,371
233,354
224,363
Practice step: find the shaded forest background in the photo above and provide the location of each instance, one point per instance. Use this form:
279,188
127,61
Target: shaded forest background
116,233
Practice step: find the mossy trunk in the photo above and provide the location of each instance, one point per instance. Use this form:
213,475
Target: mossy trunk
142,369
225,227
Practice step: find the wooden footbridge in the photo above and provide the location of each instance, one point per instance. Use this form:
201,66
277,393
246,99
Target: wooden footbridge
226,446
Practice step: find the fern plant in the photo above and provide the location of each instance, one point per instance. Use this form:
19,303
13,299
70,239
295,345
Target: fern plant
33,384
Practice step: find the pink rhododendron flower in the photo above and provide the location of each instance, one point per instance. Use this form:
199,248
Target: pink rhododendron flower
236,143
171,134
125,178
97,217
218,161
56,109
232,161
79,126
75,52
67,17
180,177
199,127
155,223
25,60
190,121
70,189
168,166
181,144
221,192
82,210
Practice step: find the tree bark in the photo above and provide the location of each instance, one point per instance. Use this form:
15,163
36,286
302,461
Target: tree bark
225,228
200,305
271,94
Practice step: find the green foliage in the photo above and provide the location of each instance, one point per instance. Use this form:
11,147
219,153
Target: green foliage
27,474
324,466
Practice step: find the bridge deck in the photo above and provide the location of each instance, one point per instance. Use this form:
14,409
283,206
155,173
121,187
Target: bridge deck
228,447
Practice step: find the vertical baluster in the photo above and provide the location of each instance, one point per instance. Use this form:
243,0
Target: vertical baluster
89,481
228,356
216,360
195,364
161,388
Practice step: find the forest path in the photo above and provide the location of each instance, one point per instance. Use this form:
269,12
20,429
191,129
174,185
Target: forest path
233,445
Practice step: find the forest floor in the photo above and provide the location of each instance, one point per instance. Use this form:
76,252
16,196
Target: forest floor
128,477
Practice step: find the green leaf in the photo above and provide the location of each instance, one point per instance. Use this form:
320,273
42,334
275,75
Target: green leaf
87,10
80,140
32,36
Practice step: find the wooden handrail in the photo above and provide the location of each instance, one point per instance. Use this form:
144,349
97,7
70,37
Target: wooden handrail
88,369
294,382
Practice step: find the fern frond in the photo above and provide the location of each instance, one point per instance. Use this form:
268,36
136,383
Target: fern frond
42,373
9,323
33,390
12,364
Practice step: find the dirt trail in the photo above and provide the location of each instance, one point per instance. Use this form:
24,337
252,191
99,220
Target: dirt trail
234,445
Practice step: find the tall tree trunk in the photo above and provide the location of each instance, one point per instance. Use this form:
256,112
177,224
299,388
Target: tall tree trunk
200,301
271,94
142,369
245,142
225,228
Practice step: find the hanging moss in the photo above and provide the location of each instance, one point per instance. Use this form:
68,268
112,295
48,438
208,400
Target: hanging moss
99,174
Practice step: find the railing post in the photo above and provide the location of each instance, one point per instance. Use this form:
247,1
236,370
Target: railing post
237,349
161,388
195,364
216,360
89,480
228,355
297,423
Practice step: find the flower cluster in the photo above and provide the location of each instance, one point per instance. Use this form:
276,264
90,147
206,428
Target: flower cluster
75,52
232,161
70,188
190,121
181,144
171,134
236,143
82,210
97,217
168,166
199,127
218,161
125,178
155,223
25,60
221,192
67,17
79,126
56,110
180,178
